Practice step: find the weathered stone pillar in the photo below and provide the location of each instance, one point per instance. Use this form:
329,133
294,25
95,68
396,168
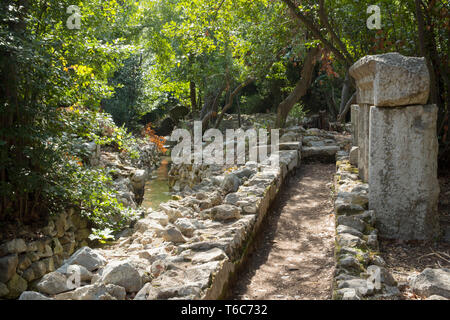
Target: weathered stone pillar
354,152
354,118
363,141
402,145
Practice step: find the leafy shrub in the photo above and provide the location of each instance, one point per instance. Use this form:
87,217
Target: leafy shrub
297,113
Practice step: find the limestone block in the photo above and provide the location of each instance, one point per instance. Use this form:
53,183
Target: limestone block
363,141
403,184
354,119
353,157
390,80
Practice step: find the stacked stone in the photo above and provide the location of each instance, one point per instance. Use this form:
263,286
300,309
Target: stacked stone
22,261
360,272
397,144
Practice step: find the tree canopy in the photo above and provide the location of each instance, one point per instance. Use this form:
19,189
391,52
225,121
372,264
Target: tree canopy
134,61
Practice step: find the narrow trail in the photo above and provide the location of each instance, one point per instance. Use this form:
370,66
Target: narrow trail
294,255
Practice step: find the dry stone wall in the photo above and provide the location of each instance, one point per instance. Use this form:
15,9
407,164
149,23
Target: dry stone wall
30,256
360,271
33,253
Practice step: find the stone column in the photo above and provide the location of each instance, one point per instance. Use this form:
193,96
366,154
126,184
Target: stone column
363,141
402,145
354,118
354,152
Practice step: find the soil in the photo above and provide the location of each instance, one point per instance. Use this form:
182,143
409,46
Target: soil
294,257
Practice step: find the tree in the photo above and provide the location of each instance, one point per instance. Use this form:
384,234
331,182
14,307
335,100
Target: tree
300,89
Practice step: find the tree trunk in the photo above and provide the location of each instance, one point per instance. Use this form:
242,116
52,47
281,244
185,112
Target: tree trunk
342,115
300,89
230,100
193,96
424,46
345,92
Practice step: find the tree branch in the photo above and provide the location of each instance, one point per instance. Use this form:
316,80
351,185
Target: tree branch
316,33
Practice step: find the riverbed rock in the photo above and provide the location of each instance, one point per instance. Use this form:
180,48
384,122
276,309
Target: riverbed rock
432,282
32,295
89,258
53,283
122,273
186,226
172,234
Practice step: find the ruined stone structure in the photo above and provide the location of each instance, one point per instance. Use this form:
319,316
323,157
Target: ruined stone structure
397,144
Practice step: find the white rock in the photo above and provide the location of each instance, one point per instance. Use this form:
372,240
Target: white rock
172,234
186,226
32,295
123,274
225,212
432,282
89,258
53,283
214,254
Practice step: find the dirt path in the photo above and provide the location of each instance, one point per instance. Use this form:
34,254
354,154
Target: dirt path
294,258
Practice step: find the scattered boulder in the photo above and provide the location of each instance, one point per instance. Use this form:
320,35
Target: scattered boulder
53,283
32,295
96,291
432,282
172,234
86,257
122,273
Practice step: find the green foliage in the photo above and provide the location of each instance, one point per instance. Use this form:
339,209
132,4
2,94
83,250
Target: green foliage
297,113
45,68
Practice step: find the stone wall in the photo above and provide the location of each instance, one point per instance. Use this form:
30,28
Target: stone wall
32,254
36,252
360,271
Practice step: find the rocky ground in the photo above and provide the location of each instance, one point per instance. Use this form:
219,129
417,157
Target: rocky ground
191,245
